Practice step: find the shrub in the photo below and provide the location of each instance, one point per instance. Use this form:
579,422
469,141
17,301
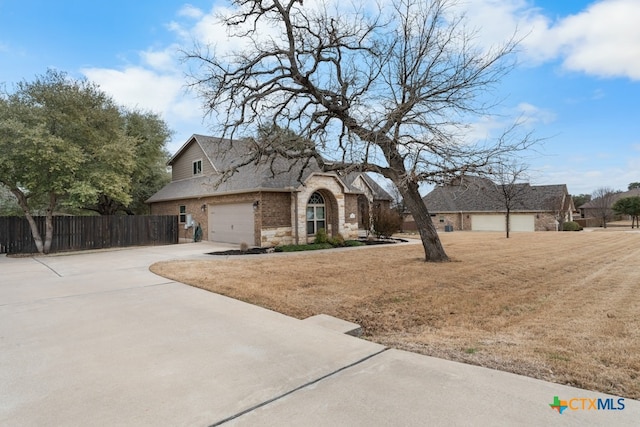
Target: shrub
571,226
244,247
337,240
321,236
353,243
386,222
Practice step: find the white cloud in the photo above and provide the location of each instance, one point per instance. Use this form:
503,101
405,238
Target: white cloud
137,87
530,115
209,32
496,21
165,60
602,40
151,90
190,11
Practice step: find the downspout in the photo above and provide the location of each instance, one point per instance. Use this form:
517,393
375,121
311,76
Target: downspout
461,221
295,208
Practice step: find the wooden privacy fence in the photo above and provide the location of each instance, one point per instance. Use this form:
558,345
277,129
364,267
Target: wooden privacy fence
76,233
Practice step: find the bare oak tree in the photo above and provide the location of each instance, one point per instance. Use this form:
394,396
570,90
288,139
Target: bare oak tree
602,201
389,91
508,178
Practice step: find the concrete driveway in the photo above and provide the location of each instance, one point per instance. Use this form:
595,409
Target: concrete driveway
96,339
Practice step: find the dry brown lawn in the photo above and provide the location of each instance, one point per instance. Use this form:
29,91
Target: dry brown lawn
562,307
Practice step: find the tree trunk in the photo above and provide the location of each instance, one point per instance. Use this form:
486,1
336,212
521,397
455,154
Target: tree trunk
48,232
433,250
22,201
508,221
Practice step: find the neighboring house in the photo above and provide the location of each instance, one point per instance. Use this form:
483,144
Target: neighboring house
594,208
473,203
264,203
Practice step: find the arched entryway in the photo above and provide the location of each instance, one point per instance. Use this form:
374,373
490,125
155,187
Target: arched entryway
322,212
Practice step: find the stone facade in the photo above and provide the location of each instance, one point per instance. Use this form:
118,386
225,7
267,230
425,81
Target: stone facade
276,236
339,218
546,221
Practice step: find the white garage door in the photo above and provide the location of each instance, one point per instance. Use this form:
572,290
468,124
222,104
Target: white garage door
231,223
523,222
519,222
487,222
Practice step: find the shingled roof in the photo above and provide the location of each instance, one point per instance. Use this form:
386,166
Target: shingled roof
278,174
593,204
476,194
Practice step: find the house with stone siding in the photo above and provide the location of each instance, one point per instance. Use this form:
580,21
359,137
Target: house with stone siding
477,204
264,203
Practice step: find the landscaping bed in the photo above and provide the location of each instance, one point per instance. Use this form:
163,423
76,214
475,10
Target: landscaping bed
307,247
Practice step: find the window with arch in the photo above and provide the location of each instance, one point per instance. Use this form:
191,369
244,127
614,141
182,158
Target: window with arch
315,213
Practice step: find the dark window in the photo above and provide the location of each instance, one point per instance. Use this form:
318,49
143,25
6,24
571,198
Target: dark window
183,214
197,167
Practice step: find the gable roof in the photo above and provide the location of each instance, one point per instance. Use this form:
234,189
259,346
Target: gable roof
476,194
593,204
378,192
279,174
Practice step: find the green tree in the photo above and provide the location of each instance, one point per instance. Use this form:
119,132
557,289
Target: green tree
581,199
386,91
149,134
629,206
63,144
634,185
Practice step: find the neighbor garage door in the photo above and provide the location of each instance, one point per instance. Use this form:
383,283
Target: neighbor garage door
231,223
487,222
519,222
523,222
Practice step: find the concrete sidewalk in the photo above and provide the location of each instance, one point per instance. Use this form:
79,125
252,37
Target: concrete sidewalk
96,339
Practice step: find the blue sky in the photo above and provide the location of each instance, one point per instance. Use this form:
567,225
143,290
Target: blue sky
577,83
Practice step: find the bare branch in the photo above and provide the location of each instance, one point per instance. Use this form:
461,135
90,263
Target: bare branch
385,92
